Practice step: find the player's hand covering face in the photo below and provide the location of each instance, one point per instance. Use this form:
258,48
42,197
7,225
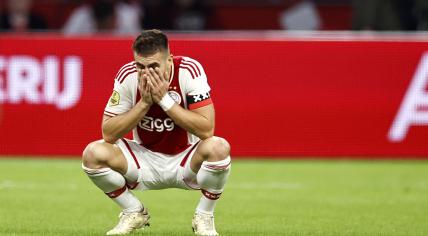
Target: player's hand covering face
158,83
152,76
144,88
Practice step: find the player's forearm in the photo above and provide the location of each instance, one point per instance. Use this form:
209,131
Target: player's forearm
116,127
192,122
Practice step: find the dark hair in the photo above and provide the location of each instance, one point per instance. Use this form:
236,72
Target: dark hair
150,41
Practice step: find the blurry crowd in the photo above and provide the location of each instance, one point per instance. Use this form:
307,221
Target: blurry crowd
117,16
18,16
130,16
390,15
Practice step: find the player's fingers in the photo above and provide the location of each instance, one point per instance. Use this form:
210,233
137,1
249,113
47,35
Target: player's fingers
141,82
144,82
139,78
159,74
151,83
152,80
155,75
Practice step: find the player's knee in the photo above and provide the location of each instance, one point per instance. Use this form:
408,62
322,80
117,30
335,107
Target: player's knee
96,153
216,149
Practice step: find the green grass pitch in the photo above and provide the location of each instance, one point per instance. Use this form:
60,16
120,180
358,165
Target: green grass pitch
290,197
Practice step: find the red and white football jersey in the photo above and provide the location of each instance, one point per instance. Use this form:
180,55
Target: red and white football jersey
157,131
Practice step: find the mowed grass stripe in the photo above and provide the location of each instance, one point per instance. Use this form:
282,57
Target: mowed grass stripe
290,197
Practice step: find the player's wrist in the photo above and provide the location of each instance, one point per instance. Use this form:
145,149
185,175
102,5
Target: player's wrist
166,102
142,104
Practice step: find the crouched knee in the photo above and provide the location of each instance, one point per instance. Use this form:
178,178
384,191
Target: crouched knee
216,148
96,154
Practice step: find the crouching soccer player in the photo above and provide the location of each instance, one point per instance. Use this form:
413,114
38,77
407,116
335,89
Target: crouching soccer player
165,100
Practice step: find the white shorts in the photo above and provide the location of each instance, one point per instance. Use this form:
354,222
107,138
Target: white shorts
157,170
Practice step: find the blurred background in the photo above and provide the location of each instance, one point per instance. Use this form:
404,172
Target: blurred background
129,16
342,80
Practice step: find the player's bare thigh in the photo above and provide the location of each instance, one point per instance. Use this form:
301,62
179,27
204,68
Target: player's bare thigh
100,154
211,149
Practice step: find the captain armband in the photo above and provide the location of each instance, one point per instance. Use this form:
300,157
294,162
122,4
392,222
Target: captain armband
198,100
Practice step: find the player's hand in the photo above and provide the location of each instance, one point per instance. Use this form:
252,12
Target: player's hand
144,89
158,83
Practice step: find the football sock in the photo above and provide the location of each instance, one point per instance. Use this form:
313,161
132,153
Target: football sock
212,177
113,185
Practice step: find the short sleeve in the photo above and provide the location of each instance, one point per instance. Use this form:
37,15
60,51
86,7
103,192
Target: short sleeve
121,99
196,85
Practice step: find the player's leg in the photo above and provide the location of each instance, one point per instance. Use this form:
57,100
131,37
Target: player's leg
107,167
211,161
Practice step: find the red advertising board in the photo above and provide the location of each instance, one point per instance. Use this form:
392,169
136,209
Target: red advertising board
274,96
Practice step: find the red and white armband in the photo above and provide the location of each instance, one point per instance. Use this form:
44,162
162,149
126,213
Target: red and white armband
198,100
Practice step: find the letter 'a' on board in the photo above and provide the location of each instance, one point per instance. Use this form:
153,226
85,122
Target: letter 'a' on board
412,110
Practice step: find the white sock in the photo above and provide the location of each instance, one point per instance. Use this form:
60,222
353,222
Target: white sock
212,177
113,184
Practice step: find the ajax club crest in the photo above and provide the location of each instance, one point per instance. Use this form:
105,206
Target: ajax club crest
175,96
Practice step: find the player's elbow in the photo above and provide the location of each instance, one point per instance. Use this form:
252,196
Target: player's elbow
206,134
109,138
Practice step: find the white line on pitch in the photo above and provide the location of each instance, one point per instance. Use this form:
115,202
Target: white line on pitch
266,185
9,184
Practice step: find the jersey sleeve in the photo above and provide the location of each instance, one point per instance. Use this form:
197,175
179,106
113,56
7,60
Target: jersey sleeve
197,89
121,99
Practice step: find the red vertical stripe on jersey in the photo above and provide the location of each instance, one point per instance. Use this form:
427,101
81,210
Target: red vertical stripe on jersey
138,97
193,63
168,142
183,162
132,153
